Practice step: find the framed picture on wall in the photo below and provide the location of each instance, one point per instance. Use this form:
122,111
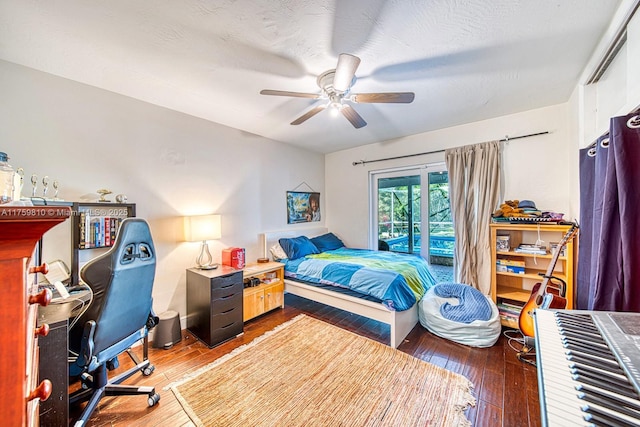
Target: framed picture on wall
302,207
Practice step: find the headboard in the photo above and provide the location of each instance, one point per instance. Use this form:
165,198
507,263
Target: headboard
270,238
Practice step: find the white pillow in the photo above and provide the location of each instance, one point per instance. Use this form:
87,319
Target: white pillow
277,252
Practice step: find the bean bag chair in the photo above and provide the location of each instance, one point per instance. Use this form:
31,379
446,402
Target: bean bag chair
460,313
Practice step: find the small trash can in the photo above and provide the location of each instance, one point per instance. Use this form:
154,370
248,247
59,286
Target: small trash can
167,332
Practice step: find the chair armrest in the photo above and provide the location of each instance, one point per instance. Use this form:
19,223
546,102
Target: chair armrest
152,320
82,361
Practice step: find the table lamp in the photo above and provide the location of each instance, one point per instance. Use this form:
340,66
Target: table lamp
201,228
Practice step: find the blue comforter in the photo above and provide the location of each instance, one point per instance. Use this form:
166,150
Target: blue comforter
398,280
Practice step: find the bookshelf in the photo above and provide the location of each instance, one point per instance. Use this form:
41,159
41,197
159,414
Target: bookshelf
513,274
93,230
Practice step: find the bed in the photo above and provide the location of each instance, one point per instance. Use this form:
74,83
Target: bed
401,321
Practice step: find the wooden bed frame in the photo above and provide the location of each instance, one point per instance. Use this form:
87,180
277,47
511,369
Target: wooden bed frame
400,322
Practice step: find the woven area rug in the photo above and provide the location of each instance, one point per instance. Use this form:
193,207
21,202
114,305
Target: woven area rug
309,373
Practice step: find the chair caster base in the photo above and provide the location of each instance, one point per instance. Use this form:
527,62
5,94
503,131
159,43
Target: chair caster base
148,370
153,399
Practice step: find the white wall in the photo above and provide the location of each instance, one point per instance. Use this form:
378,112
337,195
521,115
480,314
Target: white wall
168,163
617,93
534,168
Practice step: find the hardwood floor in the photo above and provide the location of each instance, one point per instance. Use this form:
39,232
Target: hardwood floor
505,388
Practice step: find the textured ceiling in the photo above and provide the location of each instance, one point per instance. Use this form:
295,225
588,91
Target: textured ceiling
466,60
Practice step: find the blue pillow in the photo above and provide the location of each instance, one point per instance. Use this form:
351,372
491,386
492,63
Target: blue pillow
327,242
298,247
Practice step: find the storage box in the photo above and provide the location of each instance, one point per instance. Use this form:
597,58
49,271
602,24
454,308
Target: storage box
233,257
510,266
510,269
503,243
513,262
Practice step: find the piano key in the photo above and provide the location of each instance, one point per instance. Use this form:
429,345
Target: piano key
609,394
582,336
584,348
562,403
611,376
611,414
624,390
609,404
571,355
602,346
589,359
601,421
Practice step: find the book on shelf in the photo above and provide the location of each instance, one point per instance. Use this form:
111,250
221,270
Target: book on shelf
509,309
96,232
531,249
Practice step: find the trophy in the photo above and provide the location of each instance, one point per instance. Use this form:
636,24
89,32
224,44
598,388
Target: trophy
34,183
20,184
55,187
45,186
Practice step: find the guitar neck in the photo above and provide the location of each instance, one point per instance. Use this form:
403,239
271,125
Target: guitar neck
552,264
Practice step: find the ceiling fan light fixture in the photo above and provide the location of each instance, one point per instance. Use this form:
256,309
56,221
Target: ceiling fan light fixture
335,102
335,88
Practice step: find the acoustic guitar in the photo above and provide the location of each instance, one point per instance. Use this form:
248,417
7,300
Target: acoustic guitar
550,293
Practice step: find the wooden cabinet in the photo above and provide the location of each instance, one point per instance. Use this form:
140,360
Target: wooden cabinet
93,230
510,290
20,230
214,304
269,294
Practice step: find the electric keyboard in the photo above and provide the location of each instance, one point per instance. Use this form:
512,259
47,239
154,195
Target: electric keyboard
588,368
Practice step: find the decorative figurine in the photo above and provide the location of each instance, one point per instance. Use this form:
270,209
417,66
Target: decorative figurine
103,192
34,182
121,198
45,186
55,187
19,184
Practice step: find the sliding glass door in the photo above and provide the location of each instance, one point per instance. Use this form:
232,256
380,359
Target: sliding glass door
399,223
410,212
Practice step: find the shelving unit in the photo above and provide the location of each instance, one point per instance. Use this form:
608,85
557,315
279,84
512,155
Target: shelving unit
514,289
269,294
93,230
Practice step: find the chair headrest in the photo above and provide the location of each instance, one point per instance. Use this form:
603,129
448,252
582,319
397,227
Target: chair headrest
133,242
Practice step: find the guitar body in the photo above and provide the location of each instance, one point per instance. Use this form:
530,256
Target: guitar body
550,299
547,294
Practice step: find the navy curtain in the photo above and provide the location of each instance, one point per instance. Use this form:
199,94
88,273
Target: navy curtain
609,248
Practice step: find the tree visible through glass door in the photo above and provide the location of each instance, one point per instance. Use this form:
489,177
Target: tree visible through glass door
400,219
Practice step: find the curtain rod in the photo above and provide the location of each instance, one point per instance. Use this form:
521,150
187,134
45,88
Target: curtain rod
507,138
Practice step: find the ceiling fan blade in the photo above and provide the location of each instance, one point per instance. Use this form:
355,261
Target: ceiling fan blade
352,115
345,70
390,97
306,116
287,93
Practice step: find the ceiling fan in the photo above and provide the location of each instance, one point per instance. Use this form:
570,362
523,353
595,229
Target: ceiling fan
336,86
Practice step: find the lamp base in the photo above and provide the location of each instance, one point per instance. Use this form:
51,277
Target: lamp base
208,267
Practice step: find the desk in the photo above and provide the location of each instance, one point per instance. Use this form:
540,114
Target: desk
53,362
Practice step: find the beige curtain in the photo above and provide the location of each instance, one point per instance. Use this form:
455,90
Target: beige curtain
474,192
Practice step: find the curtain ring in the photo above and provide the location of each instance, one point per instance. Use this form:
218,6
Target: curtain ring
605,143
634,122
591,152
506,139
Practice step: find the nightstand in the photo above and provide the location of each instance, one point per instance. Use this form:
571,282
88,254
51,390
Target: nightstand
269,294
214,304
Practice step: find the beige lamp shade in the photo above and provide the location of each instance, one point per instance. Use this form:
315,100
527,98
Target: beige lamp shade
201,228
